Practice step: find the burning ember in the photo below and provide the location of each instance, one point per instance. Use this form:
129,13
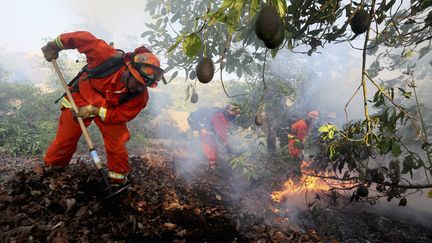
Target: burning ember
317,183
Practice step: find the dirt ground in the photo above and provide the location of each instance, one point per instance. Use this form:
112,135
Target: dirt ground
42,205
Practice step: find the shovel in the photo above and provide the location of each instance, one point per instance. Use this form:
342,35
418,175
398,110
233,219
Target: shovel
90,145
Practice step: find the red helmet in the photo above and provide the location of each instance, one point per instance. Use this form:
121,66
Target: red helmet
145,66
313,115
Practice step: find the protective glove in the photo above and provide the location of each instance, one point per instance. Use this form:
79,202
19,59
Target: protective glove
87,111
51,51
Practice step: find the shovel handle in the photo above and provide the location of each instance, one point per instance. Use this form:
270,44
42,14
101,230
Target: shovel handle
74,106
84,130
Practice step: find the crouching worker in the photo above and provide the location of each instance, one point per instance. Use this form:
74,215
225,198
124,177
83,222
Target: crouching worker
212,125
110,90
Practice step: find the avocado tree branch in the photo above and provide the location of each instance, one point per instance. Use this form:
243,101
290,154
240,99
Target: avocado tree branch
263,71
363,83
222,57
423,127
332,177
412,118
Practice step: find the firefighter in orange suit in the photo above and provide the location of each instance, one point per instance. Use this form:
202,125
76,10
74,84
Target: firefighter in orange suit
213,125
299,130
110,98
219,124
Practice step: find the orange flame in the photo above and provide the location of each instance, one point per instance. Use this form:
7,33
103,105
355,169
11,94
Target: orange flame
305,183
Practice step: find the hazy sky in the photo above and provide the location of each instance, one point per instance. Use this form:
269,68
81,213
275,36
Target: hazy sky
25,23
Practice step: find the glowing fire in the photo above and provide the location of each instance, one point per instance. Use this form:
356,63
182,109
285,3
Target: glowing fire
305,183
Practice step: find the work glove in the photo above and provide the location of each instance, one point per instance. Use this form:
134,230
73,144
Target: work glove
87,111
51,51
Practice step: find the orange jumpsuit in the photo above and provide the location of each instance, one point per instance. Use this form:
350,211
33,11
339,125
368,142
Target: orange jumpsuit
298,132
218,128
102,92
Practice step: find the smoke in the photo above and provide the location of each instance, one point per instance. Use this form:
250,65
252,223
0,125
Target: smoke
123,19
22,67
172,112
332,77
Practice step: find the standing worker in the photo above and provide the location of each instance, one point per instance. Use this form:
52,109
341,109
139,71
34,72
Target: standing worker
110,90
212,126
299,130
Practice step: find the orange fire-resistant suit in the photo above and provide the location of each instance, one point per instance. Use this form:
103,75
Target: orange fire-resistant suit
218,129
298,132
103,92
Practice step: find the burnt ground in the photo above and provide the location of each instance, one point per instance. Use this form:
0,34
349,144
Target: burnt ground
42,205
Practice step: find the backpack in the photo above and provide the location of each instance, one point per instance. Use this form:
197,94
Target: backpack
200,118
104,69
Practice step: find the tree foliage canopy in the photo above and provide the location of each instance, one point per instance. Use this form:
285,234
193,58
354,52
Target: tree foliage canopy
398,38
226,28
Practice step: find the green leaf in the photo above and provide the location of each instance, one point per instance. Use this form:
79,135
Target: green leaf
253,9
384,146
396,150
408,54
290,44
158,23
226,4
394,166
192,45
281,6
146,33
212,21
274,52
428,20
188,92
408,164
425,4
405,93
389,5
173,76
424,51
314,32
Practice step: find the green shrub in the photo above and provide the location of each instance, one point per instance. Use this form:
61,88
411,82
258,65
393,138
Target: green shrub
28,118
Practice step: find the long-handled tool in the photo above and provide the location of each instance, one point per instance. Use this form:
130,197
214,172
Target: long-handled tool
86,134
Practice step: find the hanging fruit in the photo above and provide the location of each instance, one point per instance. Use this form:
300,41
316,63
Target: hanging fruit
205,70
268,22
277,40
360,22
194,97
362,191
